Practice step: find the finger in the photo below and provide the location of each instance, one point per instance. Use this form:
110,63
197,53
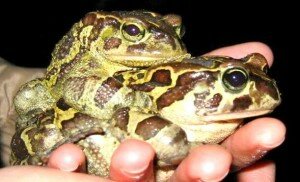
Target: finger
264,171
204,163
35,174
241,50
254,140
68,157
132,161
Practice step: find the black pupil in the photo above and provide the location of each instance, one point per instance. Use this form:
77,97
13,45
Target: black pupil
235,78
132,30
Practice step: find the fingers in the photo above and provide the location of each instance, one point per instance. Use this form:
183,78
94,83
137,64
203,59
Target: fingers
204,163
67,157
264,171
132,161
35,174
254,140
241,50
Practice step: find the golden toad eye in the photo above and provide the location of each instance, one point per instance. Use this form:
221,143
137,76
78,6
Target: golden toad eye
133,32
235,79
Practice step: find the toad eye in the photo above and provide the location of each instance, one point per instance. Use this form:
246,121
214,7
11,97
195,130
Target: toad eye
235,79
133,32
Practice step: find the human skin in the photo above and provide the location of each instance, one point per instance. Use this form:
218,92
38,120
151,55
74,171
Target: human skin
240,151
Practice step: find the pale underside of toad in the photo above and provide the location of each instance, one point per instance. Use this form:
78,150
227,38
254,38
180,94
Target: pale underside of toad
118,75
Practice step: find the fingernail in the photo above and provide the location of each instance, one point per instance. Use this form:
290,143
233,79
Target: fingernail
137,171
132,160
69,164
269,140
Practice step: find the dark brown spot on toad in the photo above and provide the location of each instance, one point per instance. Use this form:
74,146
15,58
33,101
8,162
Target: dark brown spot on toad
18,146
241,103
210,105
185,83
107,22
99,24
106,91
161,77
112,43
215,101
172,95
121,117
89,19
149,127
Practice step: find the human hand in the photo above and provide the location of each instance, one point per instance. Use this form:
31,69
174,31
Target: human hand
205,163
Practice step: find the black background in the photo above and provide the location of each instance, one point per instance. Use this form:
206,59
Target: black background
29,32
